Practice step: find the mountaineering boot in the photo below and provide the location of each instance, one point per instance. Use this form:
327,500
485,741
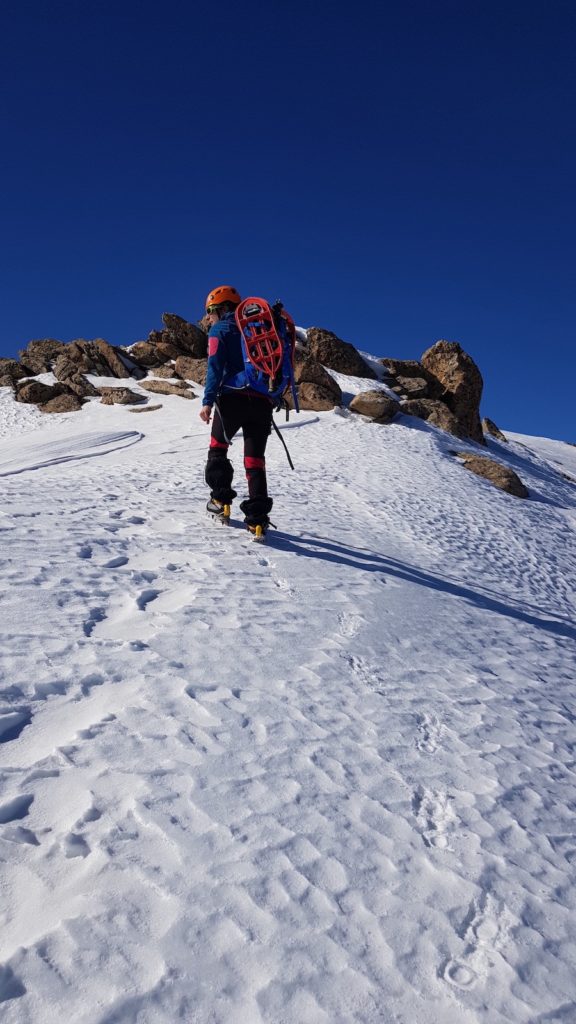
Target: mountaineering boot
219,510
256,515
258,531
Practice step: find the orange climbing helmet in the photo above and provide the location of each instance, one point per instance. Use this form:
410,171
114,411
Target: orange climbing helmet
225,293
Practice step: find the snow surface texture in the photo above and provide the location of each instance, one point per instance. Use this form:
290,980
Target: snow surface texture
327,780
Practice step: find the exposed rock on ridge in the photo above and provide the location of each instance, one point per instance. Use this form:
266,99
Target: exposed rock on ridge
329,350
501,476
376,405
462,382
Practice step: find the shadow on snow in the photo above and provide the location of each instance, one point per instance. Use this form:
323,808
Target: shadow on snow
370,561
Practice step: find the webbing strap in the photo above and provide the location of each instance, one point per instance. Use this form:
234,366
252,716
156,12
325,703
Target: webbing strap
284,443
226,438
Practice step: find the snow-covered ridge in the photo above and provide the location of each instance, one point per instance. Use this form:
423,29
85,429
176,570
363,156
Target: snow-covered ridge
325,781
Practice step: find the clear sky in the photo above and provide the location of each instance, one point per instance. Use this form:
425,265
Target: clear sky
396,172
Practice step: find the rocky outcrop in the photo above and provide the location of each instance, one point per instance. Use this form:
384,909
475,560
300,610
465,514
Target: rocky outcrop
501,476
145,353
188,338
11,371
329,350
434,412
82,357
33,392
167,349
316,388
41,355
411,387
407,377
462,382
166,372
444,387
165,387
96,357
81,386
191,369
65,402
375,404
146,408
109,358
67,360
403,367
121,396
178,338
312,396
489,427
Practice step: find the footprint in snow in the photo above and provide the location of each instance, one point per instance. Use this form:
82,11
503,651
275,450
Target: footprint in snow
146,597
10,986
349,625
90,681
13,722
53,688
95,615
20,836
75,846
434,817
486,929
116,563
429,733
16,809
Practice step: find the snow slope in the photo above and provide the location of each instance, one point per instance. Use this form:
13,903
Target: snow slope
327,780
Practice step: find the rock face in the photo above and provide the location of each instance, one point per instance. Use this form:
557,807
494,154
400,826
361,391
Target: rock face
403,367
35,393
87,356
489,427
121,396
167,372
462,383
186,337
179,338
11,371
328,349
81,386
62,403
109,357
411,387
501,476
144,353
312,396
316,388
80,356
191,369
165,387
375,404
435,412
97,357
40,355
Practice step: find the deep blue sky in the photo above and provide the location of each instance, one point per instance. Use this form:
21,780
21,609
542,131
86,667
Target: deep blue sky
397,173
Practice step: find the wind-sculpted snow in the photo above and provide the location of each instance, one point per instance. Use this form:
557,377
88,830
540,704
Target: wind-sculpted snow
323,781
34,455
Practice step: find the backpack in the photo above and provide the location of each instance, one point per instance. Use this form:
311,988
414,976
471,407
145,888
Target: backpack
268,342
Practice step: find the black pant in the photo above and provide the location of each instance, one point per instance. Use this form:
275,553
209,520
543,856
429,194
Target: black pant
252,413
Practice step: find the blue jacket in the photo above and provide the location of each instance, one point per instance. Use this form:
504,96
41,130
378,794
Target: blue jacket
225,359
227,371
